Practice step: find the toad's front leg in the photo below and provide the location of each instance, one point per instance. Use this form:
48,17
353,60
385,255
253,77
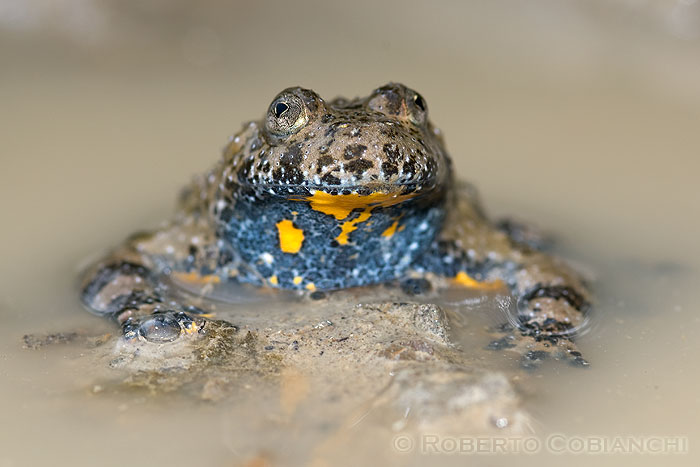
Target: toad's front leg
128,287
552,304
552,307
552,301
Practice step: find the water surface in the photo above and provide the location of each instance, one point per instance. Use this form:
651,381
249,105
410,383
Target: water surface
580,116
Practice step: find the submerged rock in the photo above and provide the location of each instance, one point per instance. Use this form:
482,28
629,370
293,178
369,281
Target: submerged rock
336,373
395,356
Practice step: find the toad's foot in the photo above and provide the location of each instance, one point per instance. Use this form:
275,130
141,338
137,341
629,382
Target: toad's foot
126,290
535,348
160,326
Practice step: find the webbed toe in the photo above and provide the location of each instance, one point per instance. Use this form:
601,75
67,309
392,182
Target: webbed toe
162,326
534,350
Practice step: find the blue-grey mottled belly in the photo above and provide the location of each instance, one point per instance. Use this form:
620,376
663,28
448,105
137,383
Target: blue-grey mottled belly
301,244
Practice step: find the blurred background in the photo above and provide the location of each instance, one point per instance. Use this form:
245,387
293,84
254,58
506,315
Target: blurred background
549,104
579,115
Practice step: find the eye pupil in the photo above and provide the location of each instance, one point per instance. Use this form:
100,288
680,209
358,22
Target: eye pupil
280,109
418,100
287,114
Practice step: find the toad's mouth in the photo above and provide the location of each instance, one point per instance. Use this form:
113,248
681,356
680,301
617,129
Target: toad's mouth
347,193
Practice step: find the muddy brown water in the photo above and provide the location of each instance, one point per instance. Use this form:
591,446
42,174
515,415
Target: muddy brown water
580,116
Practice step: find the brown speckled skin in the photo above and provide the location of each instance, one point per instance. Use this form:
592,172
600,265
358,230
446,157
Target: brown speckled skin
383,143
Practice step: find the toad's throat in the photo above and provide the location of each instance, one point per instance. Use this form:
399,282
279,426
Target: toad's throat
341,205
325,240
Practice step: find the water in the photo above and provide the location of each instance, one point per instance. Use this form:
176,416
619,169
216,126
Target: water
579,116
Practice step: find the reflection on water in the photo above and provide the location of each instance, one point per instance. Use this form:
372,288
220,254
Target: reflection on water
580,116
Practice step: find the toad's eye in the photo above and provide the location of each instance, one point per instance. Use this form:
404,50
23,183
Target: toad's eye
420,103
398,101
287,114
419,110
